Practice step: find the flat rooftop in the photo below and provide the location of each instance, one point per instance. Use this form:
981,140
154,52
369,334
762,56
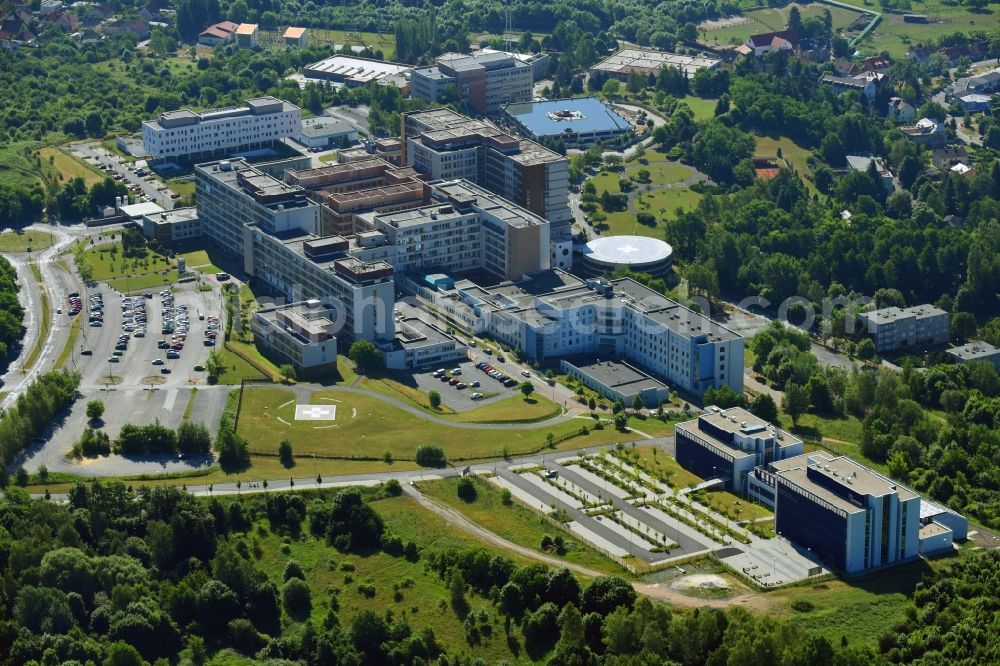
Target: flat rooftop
840,472
324,125
312,317
445,125
617,375
733,420
558,116
256,106
415,332
173,216
359,70
932,529
974,351
651,60
890,314
462,191
239,175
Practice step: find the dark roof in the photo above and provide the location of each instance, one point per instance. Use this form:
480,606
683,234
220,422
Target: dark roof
766,38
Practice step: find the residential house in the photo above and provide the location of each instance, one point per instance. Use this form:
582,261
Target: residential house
926,132
295,37
247,36
218,33
784,40
862,161
866,83
975,102
947,157
901,111
135,26
65,21
151,12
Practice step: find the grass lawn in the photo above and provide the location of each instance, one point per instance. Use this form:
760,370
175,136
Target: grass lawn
328,157
664,203
835,430
515,409
145,281
43,323
729,504
108,265
944,17
861,609
513,522
236,368
366,426
183,186
660,465
377,42
662,173
195,258
18,167
70,167
25,240
606,181
703,109
67,352
410,590
768,20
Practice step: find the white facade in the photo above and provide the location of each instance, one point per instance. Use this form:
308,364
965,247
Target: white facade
184,134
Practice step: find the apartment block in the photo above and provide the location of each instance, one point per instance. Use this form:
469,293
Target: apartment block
554,315
483,80
345,191
466,229
854,517
449,146
729,443
273,228
976,351
895,328
184,134
171,226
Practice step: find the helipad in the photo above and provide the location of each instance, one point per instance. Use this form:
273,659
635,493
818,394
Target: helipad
315,412
638,253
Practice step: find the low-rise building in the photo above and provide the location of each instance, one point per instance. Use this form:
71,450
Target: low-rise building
172,226
295,37
862,163
947,157
975,102
783,40
577,122
894,328
854,517
356,71
866,83
617,380
727,444
248,36
926,132
186,135
303,333
975,351
222,32
419,344
651,61
326,132
901,111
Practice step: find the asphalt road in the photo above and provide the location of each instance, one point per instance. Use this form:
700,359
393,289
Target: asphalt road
152,189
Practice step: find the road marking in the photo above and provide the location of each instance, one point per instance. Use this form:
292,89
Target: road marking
325,427
171,400
285,404
284,421
354,412
329,399
315,412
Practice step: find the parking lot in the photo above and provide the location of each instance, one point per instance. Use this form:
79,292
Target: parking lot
134,176
472,380
151,338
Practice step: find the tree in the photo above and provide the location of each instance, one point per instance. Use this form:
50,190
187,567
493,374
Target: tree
716,149
527,388
214,365
296,598
285,454
764,407
366,356
434,399
287,370
193,438
636,403
796,401
95,410
611,87
865,349
466,490
607,593
456,589
430,455
963,326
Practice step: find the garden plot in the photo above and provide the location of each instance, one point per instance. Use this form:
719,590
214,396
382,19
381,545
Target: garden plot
629,469
549,489
521,494
595,540
573,489
626,533
654,534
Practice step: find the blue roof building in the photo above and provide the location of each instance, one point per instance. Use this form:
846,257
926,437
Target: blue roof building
579,122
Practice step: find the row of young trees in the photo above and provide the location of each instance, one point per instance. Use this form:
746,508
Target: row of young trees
33,412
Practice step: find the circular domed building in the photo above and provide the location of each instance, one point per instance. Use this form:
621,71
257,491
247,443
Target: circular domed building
636,253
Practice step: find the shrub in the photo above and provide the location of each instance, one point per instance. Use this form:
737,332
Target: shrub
431,455
467,489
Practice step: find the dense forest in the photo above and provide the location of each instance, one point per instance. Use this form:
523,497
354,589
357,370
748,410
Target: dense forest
11,312
159,576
